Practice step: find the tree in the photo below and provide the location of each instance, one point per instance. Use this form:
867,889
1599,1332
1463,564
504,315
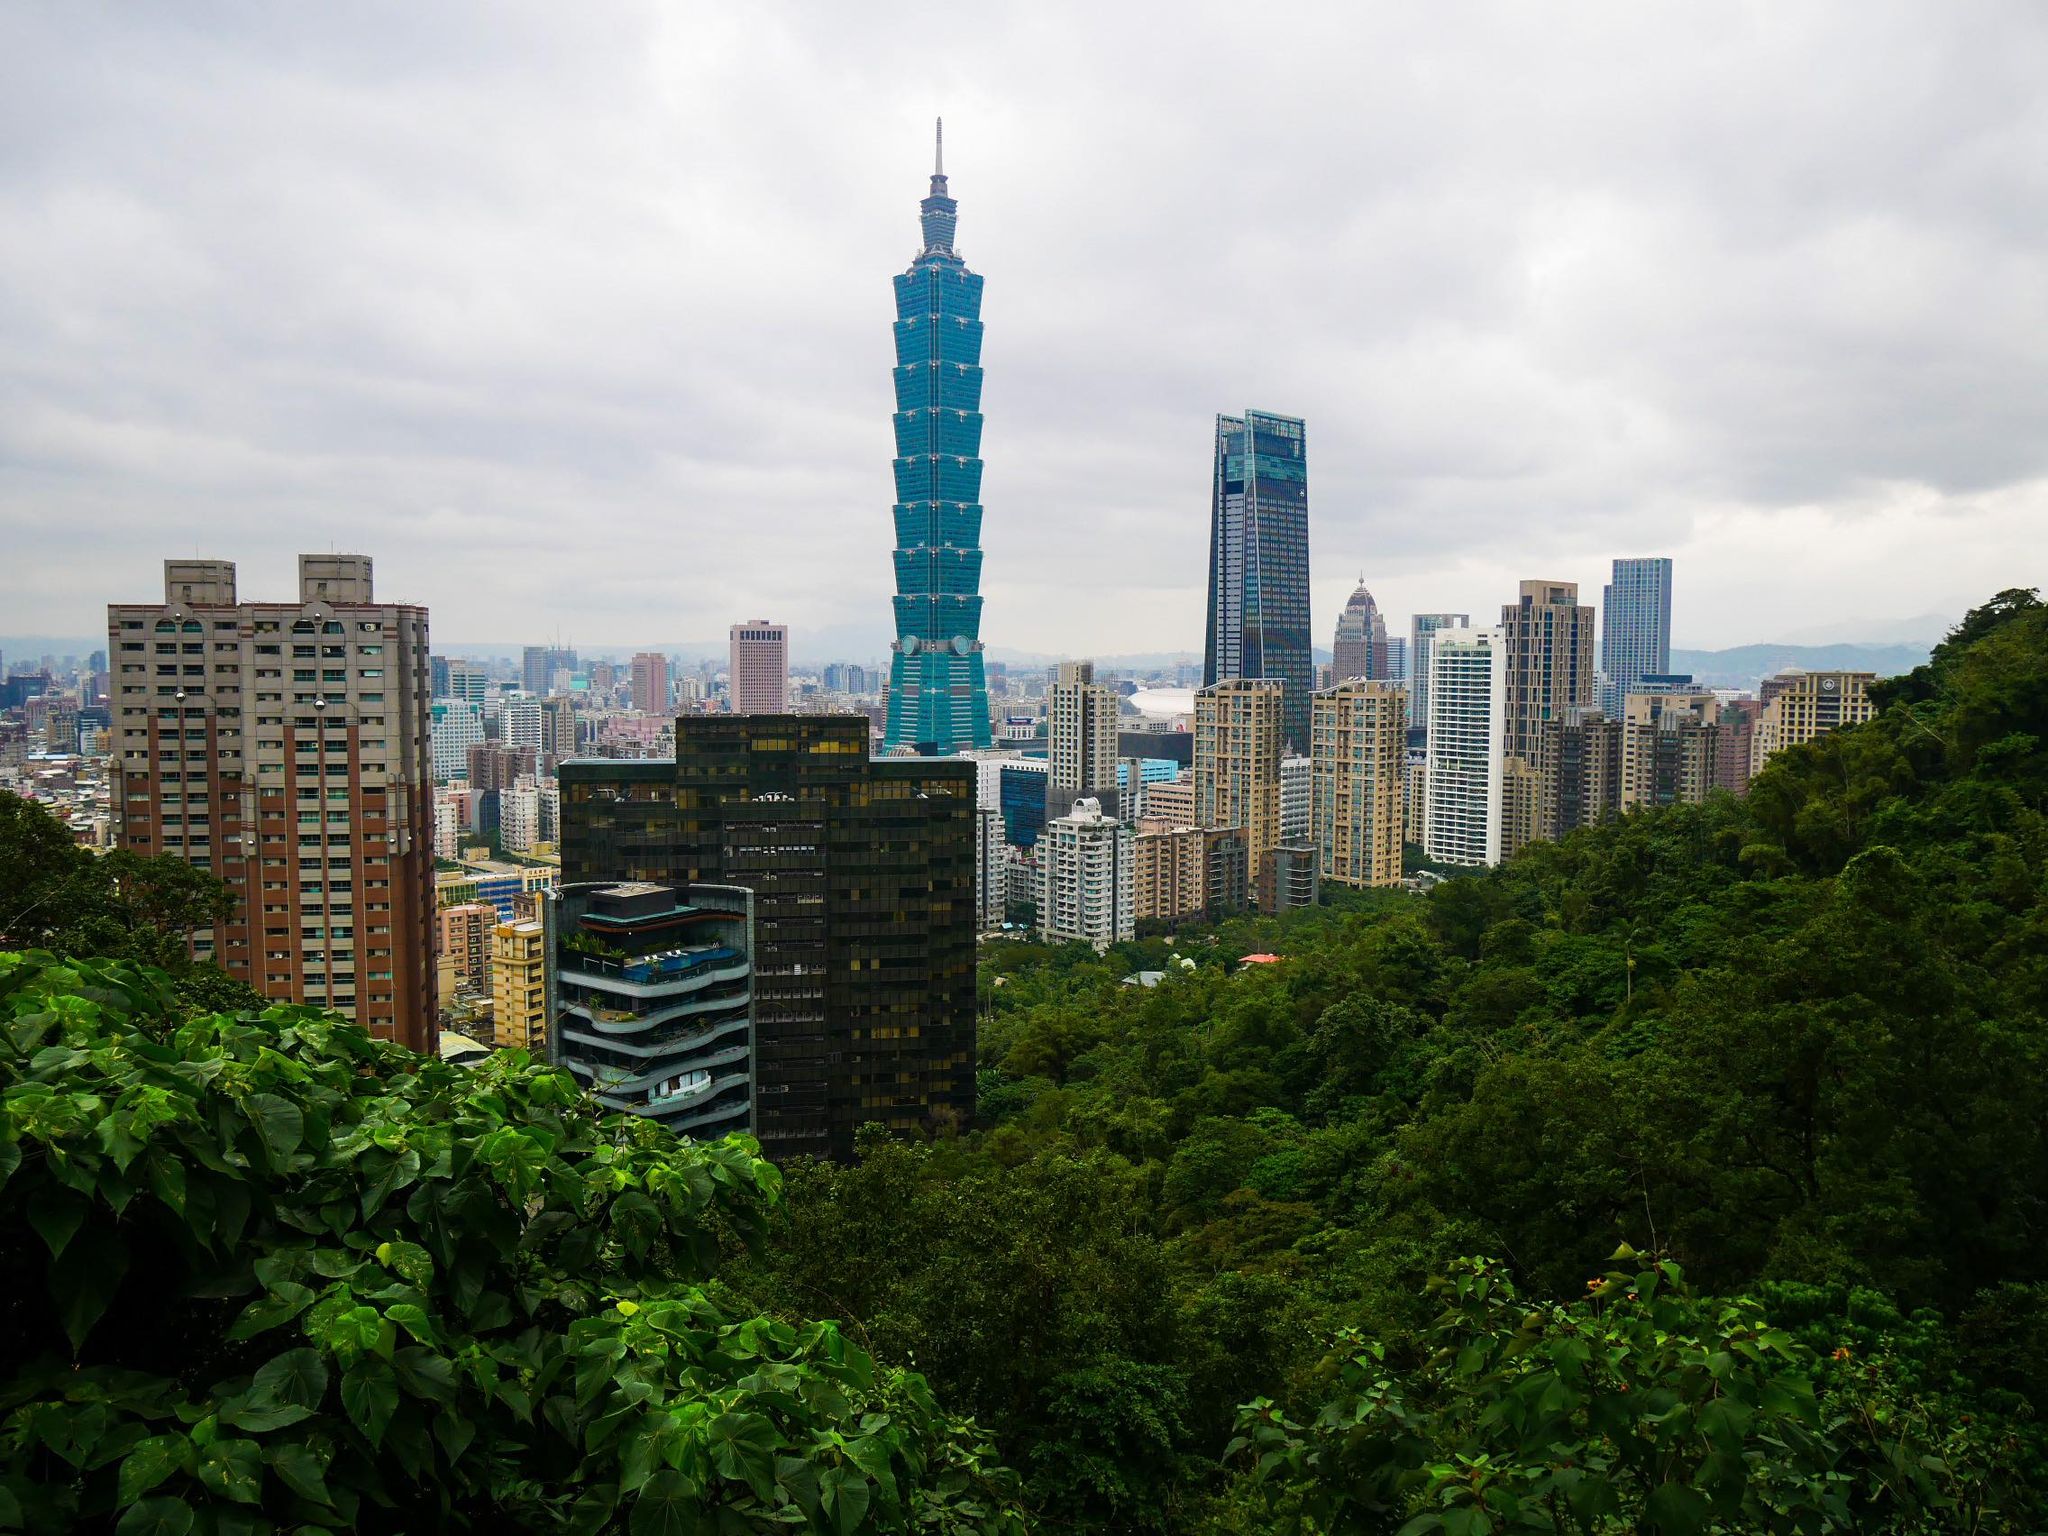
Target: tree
1639,1407
270,1272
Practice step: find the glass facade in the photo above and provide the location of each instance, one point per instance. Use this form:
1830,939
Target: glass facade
938,688
1258,622
1635,627
862,878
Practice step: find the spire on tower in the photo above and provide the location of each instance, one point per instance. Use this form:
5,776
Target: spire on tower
939,153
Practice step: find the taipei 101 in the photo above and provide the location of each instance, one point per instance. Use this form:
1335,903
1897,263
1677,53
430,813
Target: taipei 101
1120,772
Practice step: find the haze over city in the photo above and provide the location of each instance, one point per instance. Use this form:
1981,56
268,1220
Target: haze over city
579,321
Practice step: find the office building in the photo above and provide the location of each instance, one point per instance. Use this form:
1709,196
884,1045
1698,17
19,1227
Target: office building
757,672
557,730
542,667
938,685
651,994
1257,624
1360,647
519,999
1421,627
862,873
650,683
1080,740
1238,725
1804,706
1635,627
1084,879
457,725
463,680
285,748
1022,798
1548,637
1468,705
1360,736
1297,795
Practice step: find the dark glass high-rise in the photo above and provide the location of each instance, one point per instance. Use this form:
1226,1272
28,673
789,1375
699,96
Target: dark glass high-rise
938,688
1258,618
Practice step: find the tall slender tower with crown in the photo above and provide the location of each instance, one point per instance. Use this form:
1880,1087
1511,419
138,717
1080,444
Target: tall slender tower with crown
938,688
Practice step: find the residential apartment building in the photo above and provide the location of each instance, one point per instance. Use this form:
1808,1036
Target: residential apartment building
463,943
1238,726
519,1004
1297,791
1085,878
286,749
1358,761
1548,638
1421,627
1468,707
1080,739
1670,749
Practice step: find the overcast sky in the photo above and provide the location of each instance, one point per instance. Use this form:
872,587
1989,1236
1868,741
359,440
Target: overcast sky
576,317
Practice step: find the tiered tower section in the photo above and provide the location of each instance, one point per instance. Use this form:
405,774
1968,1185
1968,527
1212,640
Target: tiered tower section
938,690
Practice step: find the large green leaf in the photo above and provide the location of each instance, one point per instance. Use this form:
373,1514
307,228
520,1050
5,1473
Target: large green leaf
279,1123
670,1505
369,1391
149,1462
156,1517
85,1279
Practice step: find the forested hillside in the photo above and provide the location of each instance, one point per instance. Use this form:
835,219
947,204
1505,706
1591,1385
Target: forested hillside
1794,1043
1689,1174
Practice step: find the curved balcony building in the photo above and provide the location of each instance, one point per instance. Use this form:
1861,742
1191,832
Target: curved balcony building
651,989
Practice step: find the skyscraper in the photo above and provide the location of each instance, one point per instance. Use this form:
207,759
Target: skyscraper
1237,763
1359,762
650,683
286,749
938,688
1421,627
1804,706
1080,740
1468,698
538,666
862,874
1360,647
1258,620
1635,626
757,670
1548,634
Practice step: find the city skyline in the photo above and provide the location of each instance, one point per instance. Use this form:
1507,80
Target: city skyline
414,341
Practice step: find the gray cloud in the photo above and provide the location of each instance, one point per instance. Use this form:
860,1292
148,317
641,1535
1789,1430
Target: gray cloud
578,318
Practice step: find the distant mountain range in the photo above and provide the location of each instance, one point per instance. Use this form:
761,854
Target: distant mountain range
1743,665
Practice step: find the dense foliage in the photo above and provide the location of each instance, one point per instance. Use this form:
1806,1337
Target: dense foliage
1793,1043
267,1272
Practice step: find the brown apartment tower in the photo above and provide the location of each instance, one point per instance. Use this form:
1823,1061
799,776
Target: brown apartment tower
862,874
284,747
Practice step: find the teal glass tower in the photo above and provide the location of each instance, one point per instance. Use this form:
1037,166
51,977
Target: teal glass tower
938,688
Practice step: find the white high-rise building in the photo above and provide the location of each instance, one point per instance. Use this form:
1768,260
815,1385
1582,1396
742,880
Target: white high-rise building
519,816
1297,795
991,869
1468,702
447,823
1422,627
458,725
1085,869
522,723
